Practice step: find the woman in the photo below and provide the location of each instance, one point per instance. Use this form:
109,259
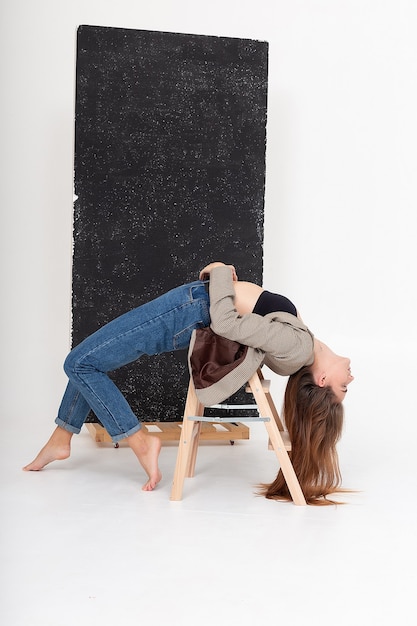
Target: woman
244,312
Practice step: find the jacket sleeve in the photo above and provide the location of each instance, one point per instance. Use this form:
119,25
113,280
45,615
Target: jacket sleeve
280,335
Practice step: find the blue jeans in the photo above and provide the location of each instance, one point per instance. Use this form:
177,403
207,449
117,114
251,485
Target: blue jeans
162,325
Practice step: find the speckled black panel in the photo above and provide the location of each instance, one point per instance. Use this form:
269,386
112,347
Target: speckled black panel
169,175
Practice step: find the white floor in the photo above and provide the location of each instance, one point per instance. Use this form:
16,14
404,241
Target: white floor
82,544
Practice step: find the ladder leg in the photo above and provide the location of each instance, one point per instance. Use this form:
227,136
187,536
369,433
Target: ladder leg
285,463
187,447
194,449
276,440
275,415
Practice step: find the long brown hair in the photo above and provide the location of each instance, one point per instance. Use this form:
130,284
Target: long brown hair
314,420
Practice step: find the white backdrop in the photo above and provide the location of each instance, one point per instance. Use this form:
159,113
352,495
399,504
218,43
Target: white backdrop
340,198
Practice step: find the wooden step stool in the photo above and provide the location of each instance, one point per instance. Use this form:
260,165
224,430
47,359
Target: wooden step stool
278,437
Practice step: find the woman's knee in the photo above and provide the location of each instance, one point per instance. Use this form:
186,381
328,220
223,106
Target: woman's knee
75,363
69,365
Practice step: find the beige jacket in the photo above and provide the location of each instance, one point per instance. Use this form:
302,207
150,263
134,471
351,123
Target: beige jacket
279,340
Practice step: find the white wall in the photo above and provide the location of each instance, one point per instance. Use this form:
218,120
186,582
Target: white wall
341,181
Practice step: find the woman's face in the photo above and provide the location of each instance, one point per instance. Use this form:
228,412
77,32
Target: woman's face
330,369
339,376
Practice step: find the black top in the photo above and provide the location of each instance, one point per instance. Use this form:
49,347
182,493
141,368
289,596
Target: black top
273,303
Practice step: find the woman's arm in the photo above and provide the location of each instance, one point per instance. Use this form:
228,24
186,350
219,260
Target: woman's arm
245,294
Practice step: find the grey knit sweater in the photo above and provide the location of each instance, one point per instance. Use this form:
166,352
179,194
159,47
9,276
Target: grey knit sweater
279,340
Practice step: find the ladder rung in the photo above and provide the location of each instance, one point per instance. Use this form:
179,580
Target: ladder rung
231,420
286,439
265,386
233,406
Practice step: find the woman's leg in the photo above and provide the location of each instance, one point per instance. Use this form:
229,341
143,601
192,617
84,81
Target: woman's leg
57,448
162,325
146,448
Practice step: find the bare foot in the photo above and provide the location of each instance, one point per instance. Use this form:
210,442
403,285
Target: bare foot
56,449
147,448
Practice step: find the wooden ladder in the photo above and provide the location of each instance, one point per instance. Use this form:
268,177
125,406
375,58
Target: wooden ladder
268,414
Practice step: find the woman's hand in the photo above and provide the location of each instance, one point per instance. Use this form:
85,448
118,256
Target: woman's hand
205,272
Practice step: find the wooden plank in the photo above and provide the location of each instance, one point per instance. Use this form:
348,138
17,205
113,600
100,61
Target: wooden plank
171,431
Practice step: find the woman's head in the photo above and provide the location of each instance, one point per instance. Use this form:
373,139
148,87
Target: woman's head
313,416
331,370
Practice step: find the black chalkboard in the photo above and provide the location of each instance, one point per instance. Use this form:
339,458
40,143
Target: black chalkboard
170,133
